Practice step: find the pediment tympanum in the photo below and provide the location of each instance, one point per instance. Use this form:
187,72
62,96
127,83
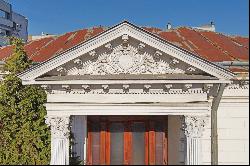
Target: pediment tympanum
124,57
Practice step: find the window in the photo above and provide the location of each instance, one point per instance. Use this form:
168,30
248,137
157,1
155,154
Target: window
2,32
2,14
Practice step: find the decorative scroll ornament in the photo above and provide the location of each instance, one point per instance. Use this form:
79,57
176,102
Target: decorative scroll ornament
124,60
59,126
193,126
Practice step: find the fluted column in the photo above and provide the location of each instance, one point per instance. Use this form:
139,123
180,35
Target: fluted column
59,139
193,127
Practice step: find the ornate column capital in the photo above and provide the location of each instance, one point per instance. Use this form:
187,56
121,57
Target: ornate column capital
59,126
193,126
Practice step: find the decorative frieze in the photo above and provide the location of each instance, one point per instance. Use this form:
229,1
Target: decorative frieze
168,87
239,85
78,61
86,87
191,69
92,53
61,70
175,61
158,53
141,47
146,88
125,39
126,60
66,87
46,87
207,87
186,87
109,47
125,88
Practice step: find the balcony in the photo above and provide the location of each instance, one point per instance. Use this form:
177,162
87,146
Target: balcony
6,23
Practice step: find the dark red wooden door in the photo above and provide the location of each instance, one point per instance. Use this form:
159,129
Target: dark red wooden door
126,140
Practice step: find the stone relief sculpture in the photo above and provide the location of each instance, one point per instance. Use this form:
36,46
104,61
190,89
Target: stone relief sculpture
124,60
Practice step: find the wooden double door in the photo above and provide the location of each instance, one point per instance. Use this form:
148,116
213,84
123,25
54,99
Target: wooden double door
127,140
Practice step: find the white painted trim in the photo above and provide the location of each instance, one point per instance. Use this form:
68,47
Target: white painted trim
123,109
137,33
125,98
28,82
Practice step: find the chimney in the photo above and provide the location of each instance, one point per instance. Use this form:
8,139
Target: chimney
212,26
169,26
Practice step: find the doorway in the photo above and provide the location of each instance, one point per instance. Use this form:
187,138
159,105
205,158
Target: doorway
127,140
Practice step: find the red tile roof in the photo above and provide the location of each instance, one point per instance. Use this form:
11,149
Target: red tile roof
215,47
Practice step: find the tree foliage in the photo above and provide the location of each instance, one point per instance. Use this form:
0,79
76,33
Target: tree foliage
24,136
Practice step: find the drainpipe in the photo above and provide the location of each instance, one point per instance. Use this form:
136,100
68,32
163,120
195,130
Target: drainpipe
214,133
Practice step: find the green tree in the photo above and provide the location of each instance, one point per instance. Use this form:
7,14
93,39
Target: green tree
24,136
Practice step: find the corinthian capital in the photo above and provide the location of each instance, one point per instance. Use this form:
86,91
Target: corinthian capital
193,126
59,126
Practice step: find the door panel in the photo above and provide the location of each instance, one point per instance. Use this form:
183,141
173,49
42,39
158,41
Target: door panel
127,140
116,144
138,143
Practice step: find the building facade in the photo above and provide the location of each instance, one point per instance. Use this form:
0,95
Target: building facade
131,96
11,24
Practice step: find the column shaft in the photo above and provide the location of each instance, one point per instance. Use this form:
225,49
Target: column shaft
59,139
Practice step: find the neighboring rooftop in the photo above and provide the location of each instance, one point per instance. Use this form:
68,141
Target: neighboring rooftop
213,46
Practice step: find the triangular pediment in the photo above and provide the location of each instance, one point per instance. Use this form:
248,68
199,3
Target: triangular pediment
125,49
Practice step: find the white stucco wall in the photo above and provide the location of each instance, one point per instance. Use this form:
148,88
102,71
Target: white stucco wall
233,132
233,129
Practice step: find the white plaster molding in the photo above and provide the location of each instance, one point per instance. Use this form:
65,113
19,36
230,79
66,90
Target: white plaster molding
92,53
243,85
191,69
59,139
109,46
144,91
67,109
78,61
175,61
125,38
207,87
122,82
141,47
124,61
46,87
193,126
86,87
59,126
61,70
186,87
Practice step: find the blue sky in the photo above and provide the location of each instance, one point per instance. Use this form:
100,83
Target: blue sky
60,16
